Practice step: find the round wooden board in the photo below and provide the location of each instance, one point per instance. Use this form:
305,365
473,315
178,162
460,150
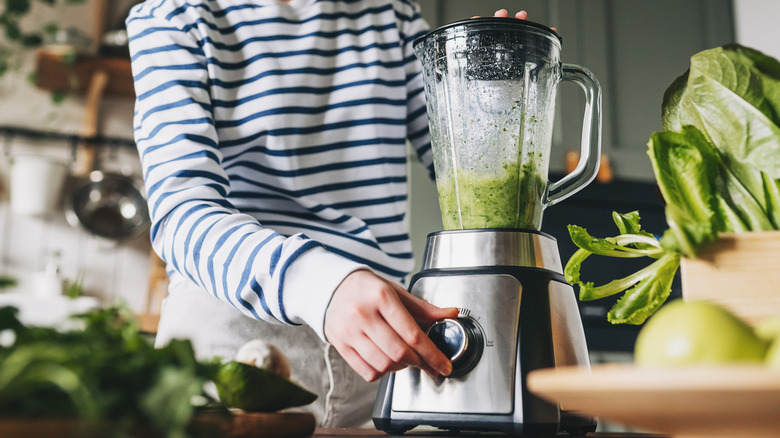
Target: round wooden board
715,401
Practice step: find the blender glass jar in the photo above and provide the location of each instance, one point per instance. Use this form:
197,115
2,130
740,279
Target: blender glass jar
490,85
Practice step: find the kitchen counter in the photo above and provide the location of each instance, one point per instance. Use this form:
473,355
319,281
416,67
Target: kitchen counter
373,433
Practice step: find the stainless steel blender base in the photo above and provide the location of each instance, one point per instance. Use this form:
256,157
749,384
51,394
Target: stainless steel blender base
526,317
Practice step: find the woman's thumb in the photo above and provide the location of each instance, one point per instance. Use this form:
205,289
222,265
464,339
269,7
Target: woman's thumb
423,311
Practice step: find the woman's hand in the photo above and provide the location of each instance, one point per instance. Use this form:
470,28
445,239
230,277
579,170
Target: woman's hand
503,13
375,325
522,15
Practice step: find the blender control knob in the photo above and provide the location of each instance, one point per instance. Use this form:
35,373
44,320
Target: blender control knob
460,340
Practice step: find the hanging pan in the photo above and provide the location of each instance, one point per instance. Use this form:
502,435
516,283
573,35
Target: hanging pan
108,204
105,203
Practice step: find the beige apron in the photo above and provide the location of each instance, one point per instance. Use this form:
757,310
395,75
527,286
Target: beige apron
216,329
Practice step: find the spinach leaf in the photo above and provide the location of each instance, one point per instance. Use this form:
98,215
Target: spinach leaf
732,94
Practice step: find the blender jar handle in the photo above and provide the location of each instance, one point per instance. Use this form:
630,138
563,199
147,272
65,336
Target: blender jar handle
590,147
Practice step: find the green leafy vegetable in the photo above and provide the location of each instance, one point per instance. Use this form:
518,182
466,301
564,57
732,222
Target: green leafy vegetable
717,165
102,372
250,388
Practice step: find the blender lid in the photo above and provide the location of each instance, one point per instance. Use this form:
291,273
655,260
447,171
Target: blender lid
485,23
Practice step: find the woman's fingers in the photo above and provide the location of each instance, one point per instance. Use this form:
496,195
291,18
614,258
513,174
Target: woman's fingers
503,13
395,352
371,327
398,316
423,311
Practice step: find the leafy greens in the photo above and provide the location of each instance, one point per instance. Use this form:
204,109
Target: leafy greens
104,372
717,165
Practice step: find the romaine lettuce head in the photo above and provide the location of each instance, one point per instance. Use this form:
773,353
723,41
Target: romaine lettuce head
732,95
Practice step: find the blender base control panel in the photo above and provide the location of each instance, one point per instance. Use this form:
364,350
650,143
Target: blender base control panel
481,342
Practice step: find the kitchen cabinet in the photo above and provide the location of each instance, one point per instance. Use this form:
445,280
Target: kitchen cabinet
636,48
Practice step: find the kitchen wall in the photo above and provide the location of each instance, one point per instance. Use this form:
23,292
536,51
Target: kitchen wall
111,271
756,25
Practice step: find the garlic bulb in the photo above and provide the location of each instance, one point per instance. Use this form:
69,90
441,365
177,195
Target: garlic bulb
264,355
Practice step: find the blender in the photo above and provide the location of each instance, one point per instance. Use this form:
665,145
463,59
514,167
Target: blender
490,85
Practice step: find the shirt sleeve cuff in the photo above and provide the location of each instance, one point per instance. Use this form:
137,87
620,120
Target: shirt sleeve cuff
310,283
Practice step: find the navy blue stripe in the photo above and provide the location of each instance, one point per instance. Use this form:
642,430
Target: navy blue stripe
255,287
319,34
306,71
309,110
307,226
370,263
385,220
217,103
172,105
199,139
218,180
367,202
414,115
189,212
394,238
244,277
186,122
150,30
275,255
325,187
199,246
316,169
298,215
315,129
283,273
283,20
306,150
166,68
169,84
246,274
221,202
221,241
166,48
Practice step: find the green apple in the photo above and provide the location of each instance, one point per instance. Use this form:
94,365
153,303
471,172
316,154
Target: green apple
768,328
697,333
773,355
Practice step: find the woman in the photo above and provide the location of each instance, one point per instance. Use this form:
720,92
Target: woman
272,137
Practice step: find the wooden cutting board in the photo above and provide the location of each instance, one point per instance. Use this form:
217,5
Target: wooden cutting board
268,424
238,425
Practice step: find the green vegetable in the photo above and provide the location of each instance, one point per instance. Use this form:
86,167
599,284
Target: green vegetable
6,281
103,372
717,165
250,388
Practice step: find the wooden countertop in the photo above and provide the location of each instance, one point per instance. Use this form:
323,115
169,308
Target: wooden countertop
373,433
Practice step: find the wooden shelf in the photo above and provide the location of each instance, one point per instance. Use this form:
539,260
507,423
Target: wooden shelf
54,73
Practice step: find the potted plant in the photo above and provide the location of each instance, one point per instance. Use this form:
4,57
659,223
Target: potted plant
717,165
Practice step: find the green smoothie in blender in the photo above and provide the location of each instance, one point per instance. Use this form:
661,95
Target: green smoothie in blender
508,198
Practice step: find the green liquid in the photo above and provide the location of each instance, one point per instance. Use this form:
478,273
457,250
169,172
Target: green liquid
509,199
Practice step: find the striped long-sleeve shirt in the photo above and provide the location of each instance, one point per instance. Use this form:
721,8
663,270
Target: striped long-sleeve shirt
272,139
